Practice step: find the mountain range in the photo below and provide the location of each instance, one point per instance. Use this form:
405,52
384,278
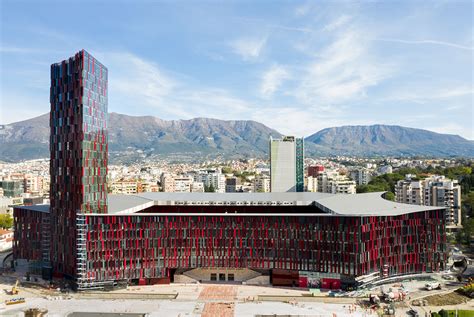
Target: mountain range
133,138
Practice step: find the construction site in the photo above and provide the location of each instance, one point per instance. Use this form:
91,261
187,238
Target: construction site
418,297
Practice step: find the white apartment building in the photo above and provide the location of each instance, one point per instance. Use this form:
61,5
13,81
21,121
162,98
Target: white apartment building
180,184
211,177
33,184
262,184
409,191
333,183
311,184
432,191
124,187
361,176
197,187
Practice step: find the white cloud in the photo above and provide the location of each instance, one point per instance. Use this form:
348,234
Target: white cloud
431,42
294,121
303,10
248,48
343,71
453,128
272,80
422,94
211,102
137,84
341,21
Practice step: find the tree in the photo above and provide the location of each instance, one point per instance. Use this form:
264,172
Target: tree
227,170
211,188
6,221
390,196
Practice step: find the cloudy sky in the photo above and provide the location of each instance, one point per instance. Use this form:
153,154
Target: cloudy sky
295,66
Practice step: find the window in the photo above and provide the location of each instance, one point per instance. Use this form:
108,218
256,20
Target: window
221,276
213,277
230,277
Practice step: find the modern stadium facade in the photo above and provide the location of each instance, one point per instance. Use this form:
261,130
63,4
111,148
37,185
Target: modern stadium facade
300,239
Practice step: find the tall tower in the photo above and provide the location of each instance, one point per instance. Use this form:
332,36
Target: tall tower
287,164
78,145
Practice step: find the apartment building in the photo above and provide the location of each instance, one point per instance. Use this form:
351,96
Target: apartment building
435,190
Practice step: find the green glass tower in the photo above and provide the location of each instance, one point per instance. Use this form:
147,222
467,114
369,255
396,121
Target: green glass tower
287,164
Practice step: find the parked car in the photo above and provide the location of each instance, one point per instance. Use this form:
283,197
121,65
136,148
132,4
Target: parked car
413,313
432,286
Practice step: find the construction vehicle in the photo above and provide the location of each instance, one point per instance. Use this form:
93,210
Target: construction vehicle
389,310
15,289
13,301
374,299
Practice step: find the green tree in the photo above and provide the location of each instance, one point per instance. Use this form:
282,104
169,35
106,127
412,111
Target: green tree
227,170
211,188
390,196
6,221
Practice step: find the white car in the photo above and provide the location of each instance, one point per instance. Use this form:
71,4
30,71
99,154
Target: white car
432,286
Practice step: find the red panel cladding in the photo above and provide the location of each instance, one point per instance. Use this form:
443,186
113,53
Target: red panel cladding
144,246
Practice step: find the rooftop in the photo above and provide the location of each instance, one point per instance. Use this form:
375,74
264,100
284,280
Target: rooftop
367,204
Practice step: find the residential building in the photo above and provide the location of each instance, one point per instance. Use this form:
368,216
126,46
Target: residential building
124,187
197,187
441,191
315,170
211,178
12,188
409,191
361,176
385,169
287,164
6,239
231,184
312,184
432,191
33,184
262,184
333,183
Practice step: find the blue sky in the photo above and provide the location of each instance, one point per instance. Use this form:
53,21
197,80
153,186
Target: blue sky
296,66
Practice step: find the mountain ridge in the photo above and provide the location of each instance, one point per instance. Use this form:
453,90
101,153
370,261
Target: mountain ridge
135,137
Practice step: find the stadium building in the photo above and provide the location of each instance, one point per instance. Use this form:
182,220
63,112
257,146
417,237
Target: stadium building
294,239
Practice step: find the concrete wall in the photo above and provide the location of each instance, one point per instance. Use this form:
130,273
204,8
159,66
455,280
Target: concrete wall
204,274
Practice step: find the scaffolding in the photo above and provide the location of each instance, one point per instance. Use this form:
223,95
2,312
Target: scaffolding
82,280
46,246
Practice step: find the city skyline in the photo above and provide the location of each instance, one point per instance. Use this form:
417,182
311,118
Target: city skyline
311,65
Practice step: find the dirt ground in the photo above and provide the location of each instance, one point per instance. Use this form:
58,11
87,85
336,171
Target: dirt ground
452,298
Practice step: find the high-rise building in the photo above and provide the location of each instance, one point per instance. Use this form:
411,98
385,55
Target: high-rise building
78,146
287,164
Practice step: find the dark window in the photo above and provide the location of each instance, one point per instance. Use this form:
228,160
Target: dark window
213,277
221,276
230,277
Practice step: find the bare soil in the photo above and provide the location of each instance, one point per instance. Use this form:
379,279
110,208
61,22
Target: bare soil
452,298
